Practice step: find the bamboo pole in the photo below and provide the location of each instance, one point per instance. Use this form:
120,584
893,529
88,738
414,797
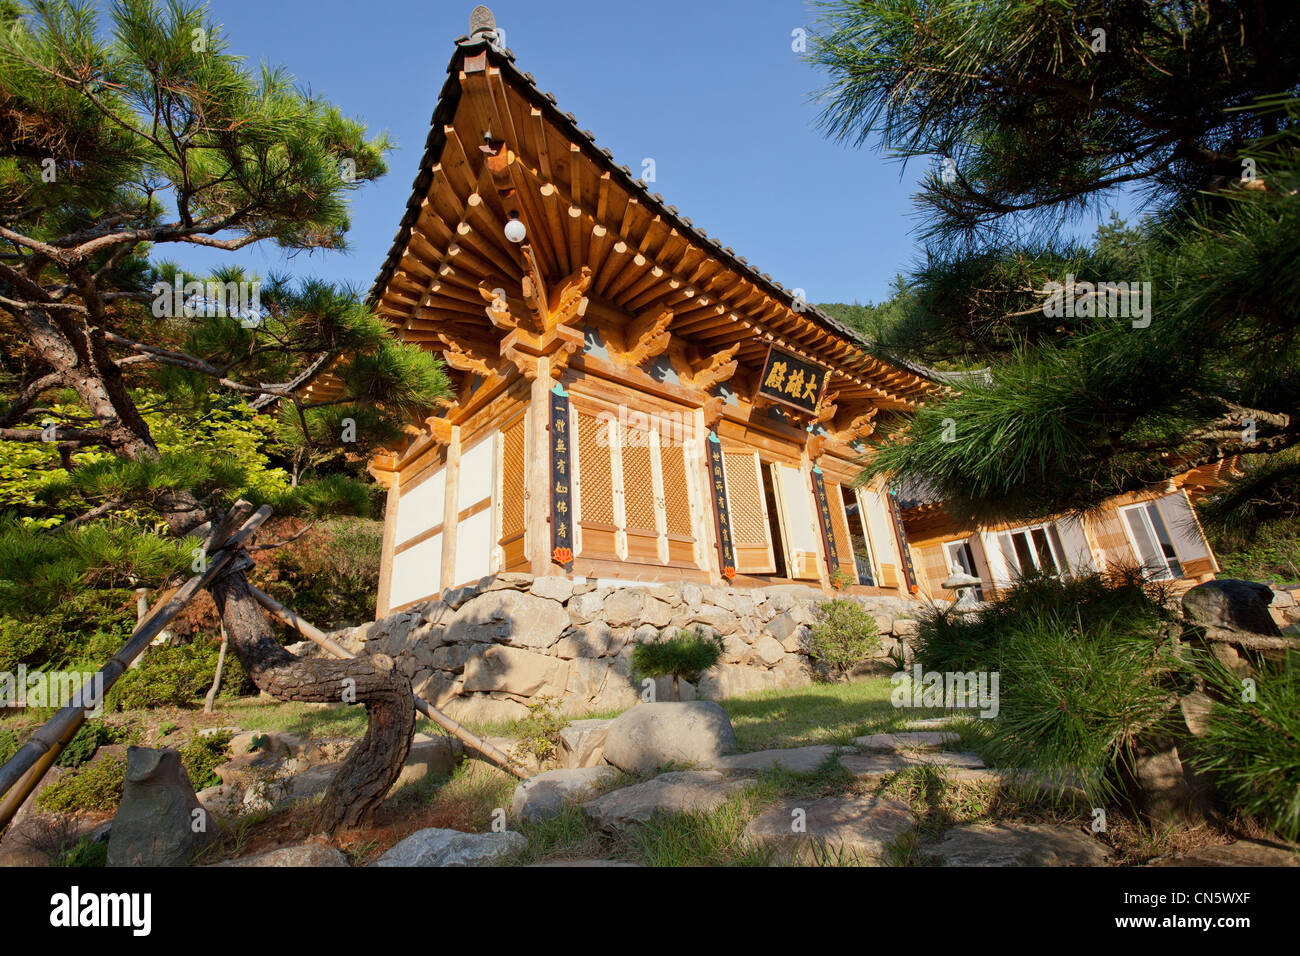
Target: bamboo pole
44,746
319,637
211,697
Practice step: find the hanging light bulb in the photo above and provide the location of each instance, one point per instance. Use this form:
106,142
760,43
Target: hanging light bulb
515,230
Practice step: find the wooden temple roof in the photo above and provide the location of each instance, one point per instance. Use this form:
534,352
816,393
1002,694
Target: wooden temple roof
498,145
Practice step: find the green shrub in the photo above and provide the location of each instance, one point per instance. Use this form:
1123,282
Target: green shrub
955,641
843,636
85,852
1252,747
90,737
539,732
330,576
1083,667
9,744
1073,699
85,629
684,657
96,786
201,755
176,676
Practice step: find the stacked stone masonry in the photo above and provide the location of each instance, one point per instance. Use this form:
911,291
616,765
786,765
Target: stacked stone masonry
484,651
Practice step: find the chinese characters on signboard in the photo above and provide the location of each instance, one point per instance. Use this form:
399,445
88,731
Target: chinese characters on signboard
792,380
824,512
561,496
718,489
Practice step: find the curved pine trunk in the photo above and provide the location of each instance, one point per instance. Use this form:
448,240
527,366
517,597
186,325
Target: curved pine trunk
372,766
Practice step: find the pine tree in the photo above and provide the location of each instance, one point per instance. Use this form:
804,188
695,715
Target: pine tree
1034,114
113,147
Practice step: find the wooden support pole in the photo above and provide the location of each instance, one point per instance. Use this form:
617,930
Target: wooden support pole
320,638
209,702
450,511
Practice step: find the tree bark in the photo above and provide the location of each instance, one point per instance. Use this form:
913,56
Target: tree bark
373,765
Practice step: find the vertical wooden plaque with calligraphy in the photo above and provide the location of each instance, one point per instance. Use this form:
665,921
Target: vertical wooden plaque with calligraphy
722,517
824,513
904,552
561,487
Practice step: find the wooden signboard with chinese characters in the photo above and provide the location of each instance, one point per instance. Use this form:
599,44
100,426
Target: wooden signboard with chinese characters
718,492
561,471
792,380
824,516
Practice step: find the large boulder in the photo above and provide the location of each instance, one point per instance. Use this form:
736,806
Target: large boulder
1226,609
440,847
547,794
665,795
650,736
160,821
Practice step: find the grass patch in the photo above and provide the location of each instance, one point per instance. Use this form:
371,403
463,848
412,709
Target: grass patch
703,838
817,714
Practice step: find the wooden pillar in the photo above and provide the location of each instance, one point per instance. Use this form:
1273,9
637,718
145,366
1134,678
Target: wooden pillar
702,520
450,509
537,473
386,550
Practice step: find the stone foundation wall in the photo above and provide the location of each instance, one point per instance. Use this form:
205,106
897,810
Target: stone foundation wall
483,651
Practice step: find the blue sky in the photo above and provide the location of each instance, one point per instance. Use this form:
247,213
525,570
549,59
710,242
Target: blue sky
712,91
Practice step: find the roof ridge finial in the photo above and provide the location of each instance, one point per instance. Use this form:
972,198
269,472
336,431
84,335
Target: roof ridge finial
481,21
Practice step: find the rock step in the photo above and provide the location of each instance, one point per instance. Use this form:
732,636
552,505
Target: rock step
669,793
547,794
1017,844
831,829
908,740
962,767
441,847
793,759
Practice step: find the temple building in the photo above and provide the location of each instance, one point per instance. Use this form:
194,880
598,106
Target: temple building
634,402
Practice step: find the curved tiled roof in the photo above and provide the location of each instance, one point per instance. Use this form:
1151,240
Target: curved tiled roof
443,115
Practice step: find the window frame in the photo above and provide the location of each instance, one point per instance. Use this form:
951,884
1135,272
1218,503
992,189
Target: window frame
1146,509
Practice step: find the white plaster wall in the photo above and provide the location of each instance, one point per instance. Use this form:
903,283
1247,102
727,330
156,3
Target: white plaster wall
420,508
417,572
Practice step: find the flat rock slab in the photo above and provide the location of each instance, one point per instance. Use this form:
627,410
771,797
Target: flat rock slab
831,828
682,791
441,847
794,759
309,854
1017,844
1241,853
961,767
908,740
547,794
